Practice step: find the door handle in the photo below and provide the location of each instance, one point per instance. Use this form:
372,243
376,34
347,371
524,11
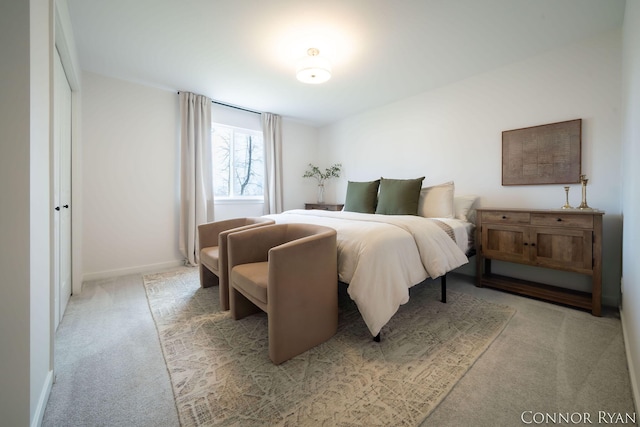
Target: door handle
57,208
66,206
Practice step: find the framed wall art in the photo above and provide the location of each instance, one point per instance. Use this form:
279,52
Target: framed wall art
546,154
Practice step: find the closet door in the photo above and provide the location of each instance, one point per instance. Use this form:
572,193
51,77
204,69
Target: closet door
62,189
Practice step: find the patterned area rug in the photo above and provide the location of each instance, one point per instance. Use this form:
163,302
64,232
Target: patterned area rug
222,376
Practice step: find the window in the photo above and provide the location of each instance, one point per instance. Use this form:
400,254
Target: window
238,163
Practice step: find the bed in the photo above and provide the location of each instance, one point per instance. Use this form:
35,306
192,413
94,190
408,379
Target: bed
381,256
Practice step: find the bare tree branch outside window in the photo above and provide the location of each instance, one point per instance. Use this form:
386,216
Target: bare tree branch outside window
237,153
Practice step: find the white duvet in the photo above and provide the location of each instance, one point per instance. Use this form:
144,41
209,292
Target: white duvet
382,256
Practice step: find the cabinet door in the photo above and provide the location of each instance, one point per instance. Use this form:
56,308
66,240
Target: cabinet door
565,249
505,242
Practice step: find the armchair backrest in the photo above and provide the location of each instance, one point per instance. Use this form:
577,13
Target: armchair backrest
209,234
255,245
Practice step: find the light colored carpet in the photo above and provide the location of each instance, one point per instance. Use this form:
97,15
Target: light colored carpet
109,369
221,373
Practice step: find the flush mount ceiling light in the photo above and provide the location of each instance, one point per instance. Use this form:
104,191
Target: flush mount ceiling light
313,69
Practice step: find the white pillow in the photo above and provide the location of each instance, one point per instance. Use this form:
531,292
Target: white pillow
437,201
463,207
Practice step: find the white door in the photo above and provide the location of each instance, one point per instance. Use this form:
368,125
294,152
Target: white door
62,189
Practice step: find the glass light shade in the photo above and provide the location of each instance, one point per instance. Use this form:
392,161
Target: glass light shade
313,70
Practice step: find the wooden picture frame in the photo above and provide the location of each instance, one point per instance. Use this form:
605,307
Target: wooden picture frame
545,154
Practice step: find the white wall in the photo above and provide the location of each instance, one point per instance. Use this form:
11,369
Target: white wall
630,190
25,318
130,161
130,172
300,147
14,222
454,133
41,331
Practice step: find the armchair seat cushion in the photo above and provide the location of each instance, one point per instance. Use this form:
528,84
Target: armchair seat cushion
251,279
210,258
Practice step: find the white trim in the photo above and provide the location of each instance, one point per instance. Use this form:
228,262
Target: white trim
142,269
64,42
257,200
38,415
630,366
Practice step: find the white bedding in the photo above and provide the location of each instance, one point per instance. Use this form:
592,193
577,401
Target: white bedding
382,256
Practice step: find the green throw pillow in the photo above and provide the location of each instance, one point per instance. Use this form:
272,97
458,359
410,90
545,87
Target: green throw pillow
362,196
399,196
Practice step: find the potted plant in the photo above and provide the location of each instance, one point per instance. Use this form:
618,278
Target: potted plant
321,177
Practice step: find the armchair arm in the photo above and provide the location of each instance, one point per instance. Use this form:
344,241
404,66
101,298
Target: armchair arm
302,294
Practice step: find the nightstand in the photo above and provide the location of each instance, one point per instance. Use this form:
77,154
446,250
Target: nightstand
324,206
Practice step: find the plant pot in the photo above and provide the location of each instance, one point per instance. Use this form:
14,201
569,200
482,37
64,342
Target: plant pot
321,193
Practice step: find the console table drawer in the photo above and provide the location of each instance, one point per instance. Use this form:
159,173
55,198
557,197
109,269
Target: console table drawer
506,217
562,220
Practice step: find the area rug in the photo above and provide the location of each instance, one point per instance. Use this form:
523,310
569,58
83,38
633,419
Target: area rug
222,375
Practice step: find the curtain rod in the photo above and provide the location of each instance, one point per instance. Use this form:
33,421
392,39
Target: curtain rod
213,101
236,107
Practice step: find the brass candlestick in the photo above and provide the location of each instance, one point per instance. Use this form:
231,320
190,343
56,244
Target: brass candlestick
583,205
567,205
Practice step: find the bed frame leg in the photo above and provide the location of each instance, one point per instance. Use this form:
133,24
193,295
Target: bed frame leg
443,286
443,291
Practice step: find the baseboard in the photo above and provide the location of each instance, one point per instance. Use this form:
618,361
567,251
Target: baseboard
38,415
142,269
630,365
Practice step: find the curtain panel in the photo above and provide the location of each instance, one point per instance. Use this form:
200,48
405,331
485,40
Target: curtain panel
196,186
272,136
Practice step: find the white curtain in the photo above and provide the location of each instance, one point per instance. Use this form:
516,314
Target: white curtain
196,186
272,136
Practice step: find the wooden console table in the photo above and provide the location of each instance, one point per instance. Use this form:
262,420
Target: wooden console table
324,206
569,240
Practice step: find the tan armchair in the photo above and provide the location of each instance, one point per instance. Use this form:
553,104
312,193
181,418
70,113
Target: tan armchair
212,238
290,272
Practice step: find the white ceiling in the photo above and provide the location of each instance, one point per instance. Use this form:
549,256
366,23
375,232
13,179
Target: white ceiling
244,52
